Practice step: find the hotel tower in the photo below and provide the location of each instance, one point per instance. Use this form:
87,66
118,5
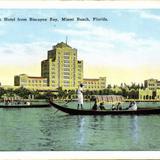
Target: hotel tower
62,69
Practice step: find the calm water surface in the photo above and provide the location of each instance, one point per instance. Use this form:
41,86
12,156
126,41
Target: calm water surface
37,129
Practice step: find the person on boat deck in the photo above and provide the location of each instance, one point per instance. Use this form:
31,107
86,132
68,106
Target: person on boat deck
133,106
80,96
101,106
95,106
119,107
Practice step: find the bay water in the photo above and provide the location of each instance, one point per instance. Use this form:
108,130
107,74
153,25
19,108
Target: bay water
45,129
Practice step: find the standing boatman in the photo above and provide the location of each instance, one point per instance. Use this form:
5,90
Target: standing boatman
80,96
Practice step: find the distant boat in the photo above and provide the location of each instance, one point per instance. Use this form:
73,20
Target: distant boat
23,105
139,111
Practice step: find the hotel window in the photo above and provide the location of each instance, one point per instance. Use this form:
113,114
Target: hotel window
66,77
66,57
65,81
66,85
66,65
66,61
66,53
44,81
66,69
66,73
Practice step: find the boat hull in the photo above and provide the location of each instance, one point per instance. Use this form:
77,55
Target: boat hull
140,111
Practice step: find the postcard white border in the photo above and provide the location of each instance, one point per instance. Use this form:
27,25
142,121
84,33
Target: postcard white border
79,155
69,4
74,155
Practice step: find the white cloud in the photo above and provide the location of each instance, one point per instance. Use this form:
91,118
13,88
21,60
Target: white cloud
149,15
101,45
23,54
145,14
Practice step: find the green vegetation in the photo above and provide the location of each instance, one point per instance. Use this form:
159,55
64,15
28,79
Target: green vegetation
128,91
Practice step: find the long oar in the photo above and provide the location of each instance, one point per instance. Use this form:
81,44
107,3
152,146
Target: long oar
63,104
68,101
56,111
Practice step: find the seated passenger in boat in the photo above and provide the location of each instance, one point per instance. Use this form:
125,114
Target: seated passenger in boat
95,107
132,106
6,102
113,107
101,106
28,103
119,107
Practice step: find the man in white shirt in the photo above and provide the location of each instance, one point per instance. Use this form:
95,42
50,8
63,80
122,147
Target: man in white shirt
80,96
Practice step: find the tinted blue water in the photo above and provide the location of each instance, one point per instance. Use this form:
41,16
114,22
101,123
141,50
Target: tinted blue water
38,129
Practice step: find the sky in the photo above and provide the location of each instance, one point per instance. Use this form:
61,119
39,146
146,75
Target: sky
125,48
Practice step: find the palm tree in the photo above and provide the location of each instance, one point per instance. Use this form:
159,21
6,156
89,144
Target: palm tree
2,92
10,92
22,92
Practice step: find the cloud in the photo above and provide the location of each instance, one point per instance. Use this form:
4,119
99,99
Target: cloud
21,58
24,53
103,45
121,56
86,30
148,15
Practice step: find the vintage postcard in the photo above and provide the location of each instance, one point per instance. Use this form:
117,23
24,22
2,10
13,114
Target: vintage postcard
80,80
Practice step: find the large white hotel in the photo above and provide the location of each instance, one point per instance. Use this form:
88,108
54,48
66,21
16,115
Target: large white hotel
60,69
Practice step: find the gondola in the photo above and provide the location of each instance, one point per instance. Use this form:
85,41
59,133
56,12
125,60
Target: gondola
139,111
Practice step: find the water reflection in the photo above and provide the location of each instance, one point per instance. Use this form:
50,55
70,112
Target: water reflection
81,130
134,128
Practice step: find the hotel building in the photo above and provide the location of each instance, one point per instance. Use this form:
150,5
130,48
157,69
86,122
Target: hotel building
62,69
24,80
95,84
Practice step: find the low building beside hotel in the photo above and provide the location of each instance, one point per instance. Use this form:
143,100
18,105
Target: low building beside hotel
145,94
158,94
151,90
24,80
94,84
152,84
